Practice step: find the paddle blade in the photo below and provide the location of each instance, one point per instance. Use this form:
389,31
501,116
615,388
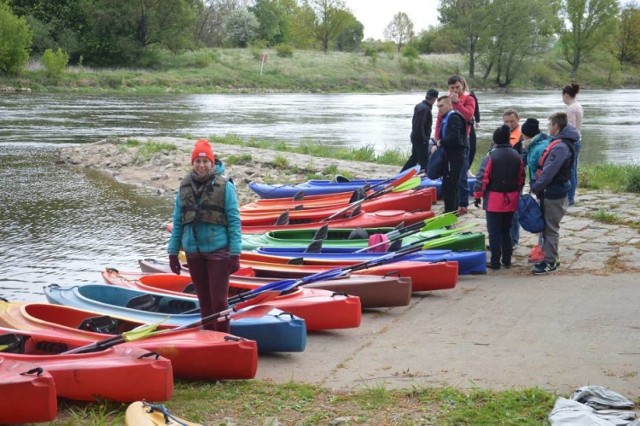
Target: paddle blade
395,245
314,247
298,196
440,221
283,219
321,233
412,183
141,332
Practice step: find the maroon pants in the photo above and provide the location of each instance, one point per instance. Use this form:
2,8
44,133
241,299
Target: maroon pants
210,275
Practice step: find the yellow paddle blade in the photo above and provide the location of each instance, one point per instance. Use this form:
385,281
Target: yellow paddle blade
182,256
4,348
141,331
412,183
440,221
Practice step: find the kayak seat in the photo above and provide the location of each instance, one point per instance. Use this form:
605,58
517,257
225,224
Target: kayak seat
190,289
358,234
174,306
103,324
143,302
12,343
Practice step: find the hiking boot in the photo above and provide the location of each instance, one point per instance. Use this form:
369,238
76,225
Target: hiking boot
543,267
462,210
536,255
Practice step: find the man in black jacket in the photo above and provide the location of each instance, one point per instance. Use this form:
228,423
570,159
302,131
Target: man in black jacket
421,131
453,138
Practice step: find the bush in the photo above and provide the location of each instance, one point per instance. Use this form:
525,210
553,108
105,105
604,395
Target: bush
633,179
409,52
15,41
284,51
55,62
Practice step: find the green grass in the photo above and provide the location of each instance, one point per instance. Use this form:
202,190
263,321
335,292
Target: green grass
605,217
613,177
261,402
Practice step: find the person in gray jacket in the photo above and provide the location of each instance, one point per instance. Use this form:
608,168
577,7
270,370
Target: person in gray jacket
552,186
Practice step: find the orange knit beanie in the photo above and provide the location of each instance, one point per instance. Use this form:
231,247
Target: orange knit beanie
202,148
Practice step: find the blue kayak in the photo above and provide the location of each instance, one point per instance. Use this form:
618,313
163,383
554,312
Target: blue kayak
469,262
324,187
278,331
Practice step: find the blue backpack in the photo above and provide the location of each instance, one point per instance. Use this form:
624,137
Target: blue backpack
530,214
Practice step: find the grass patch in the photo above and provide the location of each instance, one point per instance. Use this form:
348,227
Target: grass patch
263,402
148,149
613,177
606,217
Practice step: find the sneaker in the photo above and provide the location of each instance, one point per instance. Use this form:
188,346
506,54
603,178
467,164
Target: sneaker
514,247
492,266
536,255
506,265
543,267
462,210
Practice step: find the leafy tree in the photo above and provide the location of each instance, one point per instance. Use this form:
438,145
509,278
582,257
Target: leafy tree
15,41
55,62
331,20
590,22
469,19
241,26
531,26
351,36
54,23
628,39
274,17
302,26
399,30
210,26
436,40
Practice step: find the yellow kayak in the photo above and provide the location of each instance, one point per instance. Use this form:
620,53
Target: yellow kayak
142,413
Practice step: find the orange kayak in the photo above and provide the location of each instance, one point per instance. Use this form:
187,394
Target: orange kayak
408,200
28,392
380,218
425,276
120,373
320,309
374,291
194,353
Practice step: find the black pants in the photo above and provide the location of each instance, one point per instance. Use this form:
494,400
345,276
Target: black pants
499,230
419,155
451,185
472,144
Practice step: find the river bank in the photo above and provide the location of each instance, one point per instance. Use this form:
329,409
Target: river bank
587,244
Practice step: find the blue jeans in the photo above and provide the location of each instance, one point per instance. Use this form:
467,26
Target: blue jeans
463,189
574,174
515,230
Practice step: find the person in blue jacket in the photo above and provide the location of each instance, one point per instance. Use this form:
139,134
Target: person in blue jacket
206,225
498,184
552,185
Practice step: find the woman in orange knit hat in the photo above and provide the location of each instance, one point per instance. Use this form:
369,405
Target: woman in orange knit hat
206,225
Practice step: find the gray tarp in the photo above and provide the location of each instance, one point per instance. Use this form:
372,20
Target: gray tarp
593,405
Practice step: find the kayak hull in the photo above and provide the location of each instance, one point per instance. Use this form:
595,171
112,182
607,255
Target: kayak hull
119,373
274,332
374,291
469,262
28,396
321,309
323,187
193,352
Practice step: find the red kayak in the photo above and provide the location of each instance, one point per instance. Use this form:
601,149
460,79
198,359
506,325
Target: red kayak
321,309
194,353
424,276
360,219
407,200
120,373
374,291
28,391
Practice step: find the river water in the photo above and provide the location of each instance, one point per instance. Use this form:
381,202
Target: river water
60,225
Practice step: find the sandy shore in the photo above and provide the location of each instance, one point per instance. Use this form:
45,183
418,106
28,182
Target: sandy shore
579,326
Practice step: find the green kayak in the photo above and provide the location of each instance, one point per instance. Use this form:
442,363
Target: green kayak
438,238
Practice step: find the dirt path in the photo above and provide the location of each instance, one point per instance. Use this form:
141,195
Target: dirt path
579,326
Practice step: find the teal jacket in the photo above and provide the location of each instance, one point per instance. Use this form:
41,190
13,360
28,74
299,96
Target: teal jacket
211,237
532,153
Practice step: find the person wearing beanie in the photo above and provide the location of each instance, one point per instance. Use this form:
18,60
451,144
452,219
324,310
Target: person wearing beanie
498,184
421,131
535,143
206,225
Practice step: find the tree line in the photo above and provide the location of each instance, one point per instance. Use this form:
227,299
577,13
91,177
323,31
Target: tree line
498,37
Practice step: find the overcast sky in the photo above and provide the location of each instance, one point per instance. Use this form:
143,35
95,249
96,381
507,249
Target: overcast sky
375,15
